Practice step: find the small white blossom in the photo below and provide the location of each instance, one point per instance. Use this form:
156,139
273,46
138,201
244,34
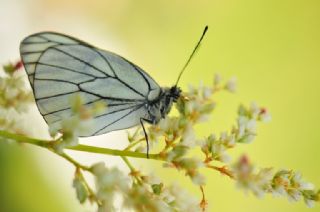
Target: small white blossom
294,195
265,116
306,186
231,85
207,92
309,203
182,200
198,179
254,110
109,183
282,183
152,179
217,80
188,137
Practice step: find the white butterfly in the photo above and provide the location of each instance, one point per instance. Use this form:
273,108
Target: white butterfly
59,66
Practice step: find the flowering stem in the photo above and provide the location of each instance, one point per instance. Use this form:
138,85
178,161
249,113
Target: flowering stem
223,170
134,143
115,152
92,149
23,139
75,163
128,163
203,203
84,148
133,172
92,195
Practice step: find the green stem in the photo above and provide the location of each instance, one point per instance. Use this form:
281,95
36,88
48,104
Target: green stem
115,152
92,195
134,143
133,172
23,139
132,169
75,163
84,148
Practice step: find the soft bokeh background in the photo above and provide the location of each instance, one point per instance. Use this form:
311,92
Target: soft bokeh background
271,46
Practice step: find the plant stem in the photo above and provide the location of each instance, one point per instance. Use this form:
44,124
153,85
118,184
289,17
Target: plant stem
92,195
223,170
203,203
84,148
132,169
75,163
133,172
107,151
132,144
23,139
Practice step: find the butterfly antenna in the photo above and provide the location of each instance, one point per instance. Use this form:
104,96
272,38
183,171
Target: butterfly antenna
192,54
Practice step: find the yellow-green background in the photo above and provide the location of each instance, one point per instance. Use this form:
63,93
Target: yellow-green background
272,47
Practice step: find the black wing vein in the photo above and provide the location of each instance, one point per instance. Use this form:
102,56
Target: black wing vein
131,111
56,95
87,103
115,74
65,68
76,58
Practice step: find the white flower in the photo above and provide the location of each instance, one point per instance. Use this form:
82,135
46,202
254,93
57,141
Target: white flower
153,179
254,110
279,191
183,201
309,203
98,168
207,92
231,85
294,195
224,157
306,186
167,196
230,140
265,116
198,179
217,79
251,126
109,182
188,137
223,136
242,125
192,90
11,93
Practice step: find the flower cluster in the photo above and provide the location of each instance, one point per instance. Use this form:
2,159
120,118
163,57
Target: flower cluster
280,183
109,182
115,192
175,141
244,132
80,121
177,132
14,97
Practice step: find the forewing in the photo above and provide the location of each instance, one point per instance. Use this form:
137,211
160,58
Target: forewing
60,66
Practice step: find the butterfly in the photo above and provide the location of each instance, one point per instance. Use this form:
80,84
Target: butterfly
60,66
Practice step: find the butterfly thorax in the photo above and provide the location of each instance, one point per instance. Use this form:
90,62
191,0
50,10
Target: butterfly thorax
161,106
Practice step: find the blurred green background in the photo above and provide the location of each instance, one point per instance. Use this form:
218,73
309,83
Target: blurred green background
272,47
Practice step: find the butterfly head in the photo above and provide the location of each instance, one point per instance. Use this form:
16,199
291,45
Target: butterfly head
170,96
159,108
174,93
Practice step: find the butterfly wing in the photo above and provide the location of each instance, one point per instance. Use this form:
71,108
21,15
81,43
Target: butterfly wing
59,66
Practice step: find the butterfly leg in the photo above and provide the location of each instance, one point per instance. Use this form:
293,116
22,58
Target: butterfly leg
145,133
